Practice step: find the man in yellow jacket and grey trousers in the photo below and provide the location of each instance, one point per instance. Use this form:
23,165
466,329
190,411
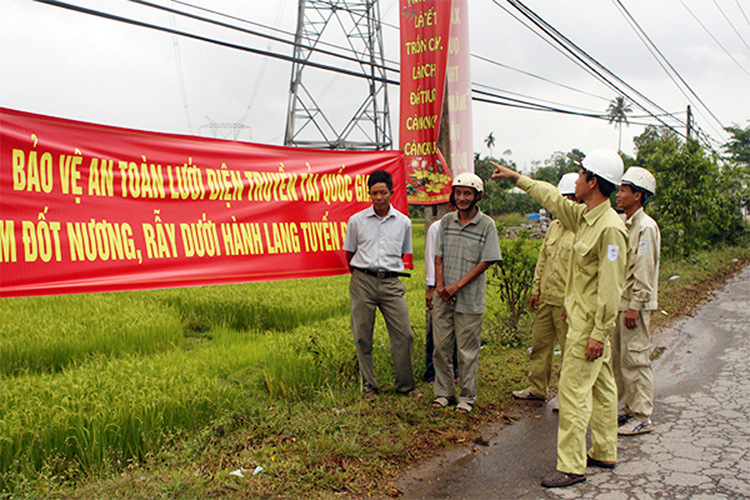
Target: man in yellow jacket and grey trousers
587,390
631,339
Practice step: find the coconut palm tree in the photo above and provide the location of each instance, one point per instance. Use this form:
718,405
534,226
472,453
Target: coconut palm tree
490,141
617,113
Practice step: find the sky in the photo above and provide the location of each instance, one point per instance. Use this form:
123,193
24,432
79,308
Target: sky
71,65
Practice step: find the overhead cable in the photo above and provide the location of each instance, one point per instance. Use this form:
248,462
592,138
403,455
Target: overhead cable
731,24
476,84
743,12
532,75
714,38
649,43
346,49
251,32
277,30
243,48
581,55
490,98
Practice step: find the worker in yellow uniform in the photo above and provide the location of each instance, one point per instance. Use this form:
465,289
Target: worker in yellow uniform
547,296
587,390
631,338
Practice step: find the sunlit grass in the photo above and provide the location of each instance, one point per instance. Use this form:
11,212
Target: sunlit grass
47,334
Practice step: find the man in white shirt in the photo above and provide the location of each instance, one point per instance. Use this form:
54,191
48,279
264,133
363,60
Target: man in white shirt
376,240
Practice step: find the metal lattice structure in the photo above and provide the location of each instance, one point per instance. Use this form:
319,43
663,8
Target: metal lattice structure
308,123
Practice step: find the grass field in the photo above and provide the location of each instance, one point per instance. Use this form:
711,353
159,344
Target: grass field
162,394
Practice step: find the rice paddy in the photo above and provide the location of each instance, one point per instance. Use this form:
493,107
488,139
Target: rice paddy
91,383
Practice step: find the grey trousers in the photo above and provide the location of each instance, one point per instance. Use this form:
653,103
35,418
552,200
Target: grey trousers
368,293
466,329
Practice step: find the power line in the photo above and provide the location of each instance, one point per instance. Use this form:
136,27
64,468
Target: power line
283,57
475,84
592,66
251,32
641,34
732,25
532,75
267,53
557,47
277,30
714,38
517,103
338,47
743,12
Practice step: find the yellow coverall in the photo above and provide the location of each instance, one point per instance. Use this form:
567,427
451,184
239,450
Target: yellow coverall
587,391
549,284
631,347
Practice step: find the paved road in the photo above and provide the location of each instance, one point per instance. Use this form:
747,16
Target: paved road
699,449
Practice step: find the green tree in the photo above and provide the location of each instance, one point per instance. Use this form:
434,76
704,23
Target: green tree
695,203
617,112
738,147
558,165
490,141
496,199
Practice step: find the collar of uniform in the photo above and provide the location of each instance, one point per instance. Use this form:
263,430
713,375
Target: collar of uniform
591,216
632,218
475,220
371,212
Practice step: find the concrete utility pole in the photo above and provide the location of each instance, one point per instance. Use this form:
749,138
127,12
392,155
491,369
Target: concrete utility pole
689,122
308,124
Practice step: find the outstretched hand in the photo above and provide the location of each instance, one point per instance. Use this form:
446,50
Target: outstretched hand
503,172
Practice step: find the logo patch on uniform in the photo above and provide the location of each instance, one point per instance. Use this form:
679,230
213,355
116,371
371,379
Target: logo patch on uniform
612,252
643,246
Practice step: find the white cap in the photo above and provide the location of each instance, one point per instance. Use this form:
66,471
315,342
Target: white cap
605,163
468,179
640,178
567,184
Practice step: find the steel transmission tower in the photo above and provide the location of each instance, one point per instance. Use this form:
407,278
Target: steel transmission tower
308,123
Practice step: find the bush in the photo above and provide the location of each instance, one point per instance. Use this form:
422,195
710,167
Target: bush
696,202
512,278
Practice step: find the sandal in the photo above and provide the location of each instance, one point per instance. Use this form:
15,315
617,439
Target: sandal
371,396
442,401
464,407
559,479
592,462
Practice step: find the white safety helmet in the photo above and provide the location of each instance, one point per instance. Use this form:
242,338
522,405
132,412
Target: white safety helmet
640,178
468,179
567,184
605,163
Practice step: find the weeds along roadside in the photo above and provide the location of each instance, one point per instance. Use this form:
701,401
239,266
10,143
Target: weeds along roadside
225,395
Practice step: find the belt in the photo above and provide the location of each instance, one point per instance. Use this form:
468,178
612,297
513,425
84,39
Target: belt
382,274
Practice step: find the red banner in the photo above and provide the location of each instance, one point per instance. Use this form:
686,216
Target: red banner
91,208
425,29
